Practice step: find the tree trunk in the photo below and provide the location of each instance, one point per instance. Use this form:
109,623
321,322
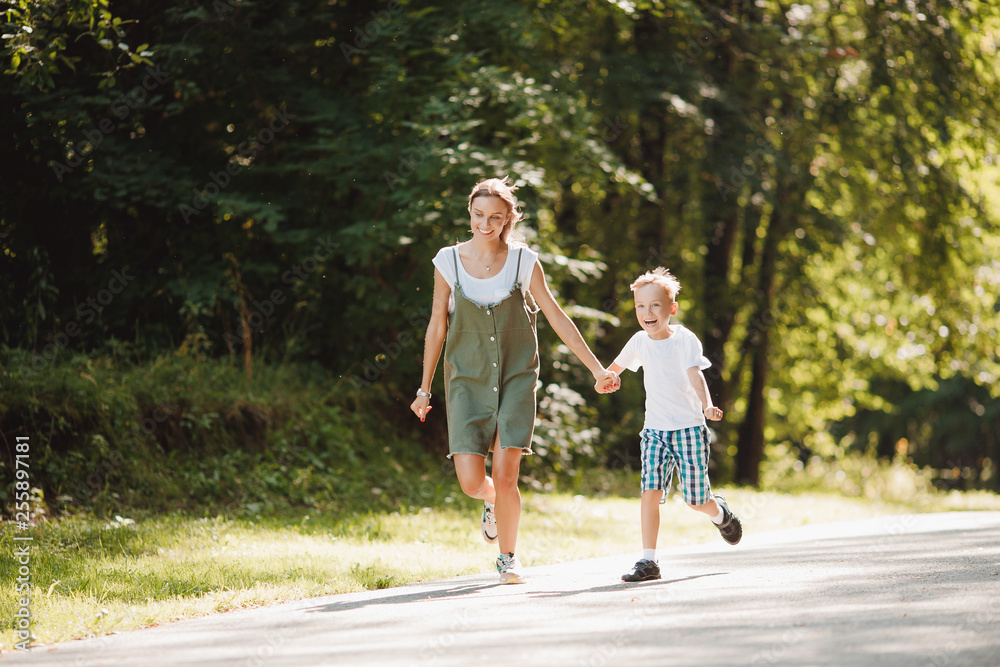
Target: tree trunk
725,149
994,447
750,450
651,132
717,302
750,445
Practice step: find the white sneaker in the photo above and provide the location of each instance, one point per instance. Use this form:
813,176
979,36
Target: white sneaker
489,523
510,570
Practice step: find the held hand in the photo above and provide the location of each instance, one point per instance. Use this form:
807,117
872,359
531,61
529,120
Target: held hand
607,382
421,406
713,413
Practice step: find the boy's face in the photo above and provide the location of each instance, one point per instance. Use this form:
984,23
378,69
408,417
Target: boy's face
653,308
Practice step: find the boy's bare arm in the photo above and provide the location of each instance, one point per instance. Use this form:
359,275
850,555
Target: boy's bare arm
700,385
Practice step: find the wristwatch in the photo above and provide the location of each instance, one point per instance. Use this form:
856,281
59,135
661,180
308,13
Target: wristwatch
421,392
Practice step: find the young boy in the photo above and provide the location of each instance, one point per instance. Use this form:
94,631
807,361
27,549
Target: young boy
674,434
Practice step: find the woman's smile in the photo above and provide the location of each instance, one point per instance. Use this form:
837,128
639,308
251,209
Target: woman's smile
489,215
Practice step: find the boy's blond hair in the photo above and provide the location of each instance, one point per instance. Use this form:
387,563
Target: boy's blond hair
659,276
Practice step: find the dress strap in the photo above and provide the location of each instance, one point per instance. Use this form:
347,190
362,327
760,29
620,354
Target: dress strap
455,257
517,271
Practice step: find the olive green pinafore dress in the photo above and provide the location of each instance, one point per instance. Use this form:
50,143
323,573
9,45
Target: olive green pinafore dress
491,371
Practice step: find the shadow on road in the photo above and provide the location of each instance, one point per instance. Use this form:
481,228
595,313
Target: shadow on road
423,595
621,586
472,589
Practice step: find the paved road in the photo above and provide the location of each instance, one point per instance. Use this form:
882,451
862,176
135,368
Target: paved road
907,590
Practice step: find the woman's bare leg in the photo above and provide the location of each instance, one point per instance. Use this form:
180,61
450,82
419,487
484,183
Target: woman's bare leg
506,470
471,471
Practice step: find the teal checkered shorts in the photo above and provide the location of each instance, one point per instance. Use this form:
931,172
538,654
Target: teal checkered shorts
685,451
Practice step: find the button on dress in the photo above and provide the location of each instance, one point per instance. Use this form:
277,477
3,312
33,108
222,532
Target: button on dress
491,371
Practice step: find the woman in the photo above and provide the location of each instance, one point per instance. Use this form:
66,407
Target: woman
485,295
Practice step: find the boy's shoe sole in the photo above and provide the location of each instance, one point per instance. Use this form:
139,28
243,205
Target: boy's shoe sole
731,528
644,570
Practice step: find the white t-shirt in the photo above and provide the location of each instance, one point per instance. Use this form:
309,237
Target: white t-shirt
671,402
486,291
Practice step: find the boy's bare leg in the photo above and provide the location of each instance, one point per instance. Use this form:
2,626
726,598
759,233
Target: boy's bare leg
650,511
647,569
729,524
711,508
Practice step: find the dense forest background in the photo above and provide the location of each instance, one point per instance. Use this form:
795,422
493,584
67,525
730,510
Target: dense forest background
263,184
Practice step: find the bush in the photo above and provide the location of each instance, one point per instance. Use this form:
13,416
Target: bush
852,475
187,434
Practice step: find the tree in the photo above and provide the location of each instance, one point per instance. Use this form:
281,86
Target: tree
269,180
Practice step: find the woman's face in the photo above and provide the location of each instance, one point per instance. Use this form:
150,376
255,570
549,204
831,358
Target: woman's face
488,216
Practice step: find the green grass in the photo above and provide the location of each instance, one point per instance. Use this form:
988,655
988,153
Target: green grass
92,576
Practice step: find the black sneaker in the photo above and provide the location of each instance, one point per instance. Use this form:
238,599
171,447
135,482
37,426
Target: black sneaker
731,528
645,570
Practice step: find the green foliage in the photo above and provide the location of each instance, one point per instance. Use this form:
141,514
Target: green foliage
260,181
950,429
564,437
183,434
854,476
42,39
